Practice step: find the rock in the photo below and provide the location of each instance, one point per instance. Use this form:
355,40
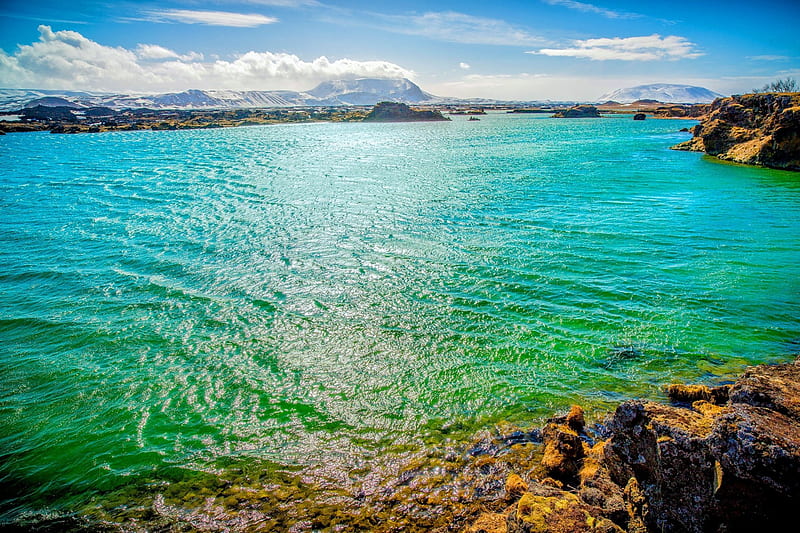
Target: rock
399,112
550,482
563,450
489,523
775,387
682,111
549,510
639,116
636,505
678,393
659,445
684,129
732,466
580,111
755,129
598,489
515,486
575,418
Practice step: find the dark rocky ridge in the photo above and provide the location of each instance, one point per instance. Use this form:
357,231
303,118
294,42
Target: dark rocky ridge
729,461
754,129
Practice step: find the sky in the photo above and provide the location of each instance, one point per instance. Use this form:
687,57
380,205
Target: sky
512,50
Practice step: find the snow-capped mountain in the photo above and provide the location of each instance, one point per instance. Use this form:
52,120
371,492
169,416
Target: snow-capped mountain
663,92
364,91
369,91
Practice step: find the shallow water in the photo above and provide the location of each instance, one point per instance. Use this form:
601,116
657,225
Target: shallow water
325,294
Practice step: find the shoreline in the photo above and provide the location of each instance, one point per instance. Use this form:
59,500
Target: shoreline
626,472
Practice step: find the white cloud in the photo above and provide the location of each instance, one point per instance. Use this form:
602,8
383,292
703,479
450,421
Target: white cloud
646,48
590,8
769,58
68,60
210,18
459,28
464,66
282,3
156,52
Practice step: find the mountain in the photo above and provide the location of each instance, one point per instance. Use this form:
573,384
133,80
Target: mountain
369,91
663,92
363,91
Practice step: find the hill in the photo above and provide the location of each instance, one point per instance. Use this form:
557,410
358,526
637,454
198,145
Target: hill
663,92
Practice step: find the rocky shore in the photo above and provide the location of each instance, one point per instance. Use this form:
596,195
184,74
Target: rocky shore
755,129
715,459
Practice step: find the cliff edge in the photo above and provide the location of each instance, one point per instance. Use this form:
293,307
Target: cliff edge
755,129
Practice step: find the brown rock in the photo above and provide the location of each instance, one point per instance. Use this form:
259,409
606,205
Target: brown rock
563,452
515,486
734,467
665,449
636,506
575,418
549,510
598,489
775,387
489,523
756,129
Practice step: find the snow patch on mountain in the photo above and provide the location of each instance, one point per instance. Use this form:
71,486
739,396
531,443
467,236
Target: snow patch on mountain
663,92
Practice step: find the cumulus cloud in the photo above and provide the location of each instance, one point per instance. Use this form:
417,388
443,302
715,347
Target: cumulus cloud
464,66
68,60
210,18
646,48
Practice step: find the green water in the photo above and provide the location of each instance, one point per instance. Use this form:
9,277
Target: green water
324,293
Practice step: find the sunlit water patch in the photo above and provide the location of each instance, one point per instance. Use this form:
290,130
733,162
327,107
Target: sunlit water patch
330,295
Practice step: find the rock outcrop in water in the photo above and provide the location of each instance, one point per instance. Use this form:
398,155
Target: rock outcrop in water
727,461
755,129
399,112
579,111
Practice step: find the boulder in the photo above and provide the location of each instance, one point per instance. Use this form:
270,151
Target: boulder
639,116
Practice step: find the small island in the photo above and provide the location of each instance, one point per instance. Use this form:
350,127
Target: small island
579,111
399,112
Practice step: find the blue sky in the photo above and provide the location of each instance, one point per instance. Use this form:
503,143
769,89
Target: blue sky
535,49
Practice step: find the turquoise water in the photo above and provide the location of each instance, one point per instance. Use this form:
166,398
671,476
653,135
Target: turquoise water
316,293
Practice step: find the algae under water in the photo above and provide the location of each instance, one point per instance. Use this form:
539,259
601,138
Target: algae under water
216,319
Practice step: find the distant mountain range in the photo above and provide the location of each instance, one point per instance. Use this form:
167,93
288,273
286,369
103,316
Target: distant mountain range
662,92
364,91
